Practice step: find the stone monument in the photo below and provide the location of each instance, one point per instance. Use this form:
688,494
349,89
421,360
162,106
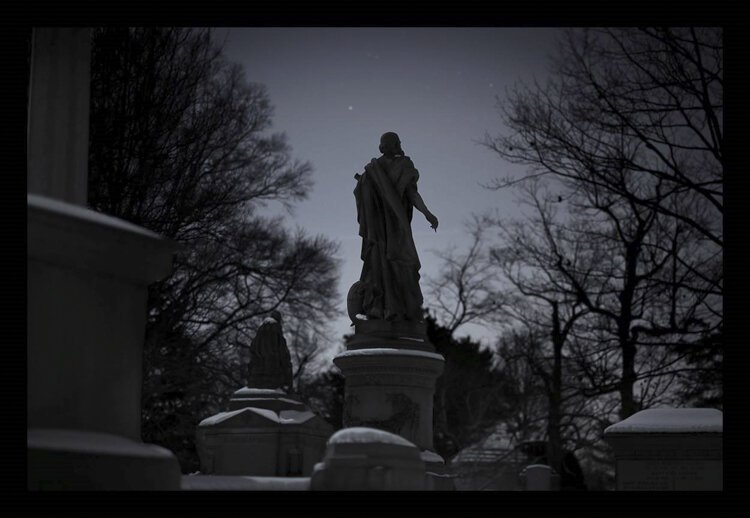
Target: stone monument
266,431
668,449
87,280
389,366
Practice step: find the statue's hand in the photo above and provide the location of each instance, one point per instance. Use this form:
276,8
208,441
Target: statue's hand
433,221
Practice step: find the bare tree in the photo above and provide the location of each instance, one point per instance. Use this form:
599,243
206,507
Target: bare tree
470,395
466,289
647,101
613,260
180,145
630,127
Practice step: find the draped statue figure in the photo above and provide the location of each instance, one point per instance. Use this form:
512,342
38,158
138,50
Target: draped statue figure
386,196
270,363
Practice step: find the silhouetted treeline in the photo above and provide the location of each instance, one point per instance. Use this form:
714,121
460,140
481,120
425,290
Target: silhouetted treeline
608,289
180,144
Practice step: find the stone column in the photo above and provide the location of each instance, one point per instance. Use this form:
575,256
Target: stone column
87,282
58,114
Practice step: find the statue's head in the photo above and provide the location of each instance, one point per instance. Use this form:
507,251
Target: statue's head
390,144
276,316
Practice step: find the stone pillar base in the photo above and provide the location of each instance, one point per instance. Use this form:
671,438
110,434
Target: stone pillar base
60,459
86,314
392,390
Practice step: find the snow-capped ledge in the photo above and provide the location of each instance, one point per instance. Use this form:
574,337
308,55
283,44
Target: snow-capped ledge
72,211
671,420
431,456
361,434
385,351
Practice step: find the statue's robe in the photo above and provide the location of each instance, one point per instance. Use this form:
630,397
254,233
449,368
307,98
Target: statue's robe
390,273
270,363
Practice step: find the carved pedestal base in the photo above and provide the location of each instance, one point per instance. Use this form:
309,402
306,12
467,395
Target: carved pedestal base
369,334
392,390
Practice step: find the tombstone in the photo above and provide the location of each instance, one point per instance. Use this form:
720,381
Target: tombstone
368,459
539,477
266,431
668,449
87,282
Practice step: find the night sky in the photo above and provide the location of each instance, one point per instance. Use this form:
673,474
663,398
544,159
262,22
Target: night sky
336,90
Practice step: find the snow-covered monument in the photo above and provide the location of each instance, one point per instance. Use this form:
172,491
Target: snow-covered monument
266,431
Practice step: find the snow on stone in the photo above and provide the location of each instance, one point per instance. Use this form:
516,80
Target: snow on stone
496,447
665,420
376,351
80,212
361,434
243,483
431,456
285,417
532,467
92,442
268,414
269,320
245,391
287,400
221,416
295,416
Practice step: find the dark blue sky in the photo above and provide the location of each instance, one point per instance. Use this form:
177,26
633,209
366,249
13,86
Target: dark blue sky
336,90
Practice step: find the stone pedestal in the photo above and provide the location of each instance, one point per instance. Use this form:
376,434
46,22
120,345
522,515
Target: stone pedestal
264,433
390,371
86,313
669,449
392,390
80,460
370,334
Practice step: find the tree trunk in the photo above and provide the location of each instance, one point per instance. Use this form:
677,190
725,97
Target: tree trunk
554,411
627,383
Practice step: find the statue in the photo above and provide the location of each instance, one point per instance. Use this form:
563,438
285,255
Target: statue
386,194
270,363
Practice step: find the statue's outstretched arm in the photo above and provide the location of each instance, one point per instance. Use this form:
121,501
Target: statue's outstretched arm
418,202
